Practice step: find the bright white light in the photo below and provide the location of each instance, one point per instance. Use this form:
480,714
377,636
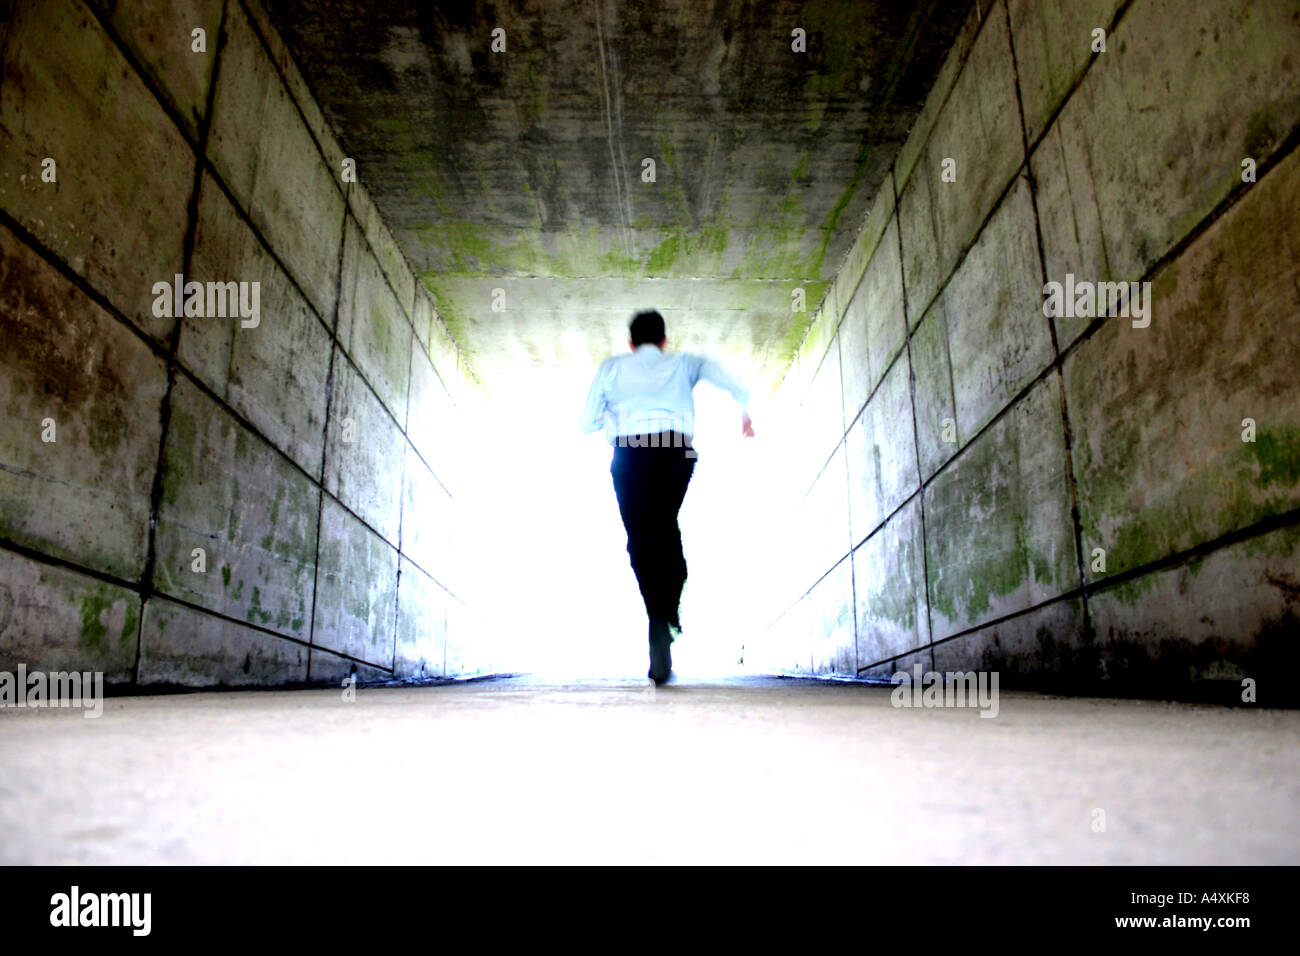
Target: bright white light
553,583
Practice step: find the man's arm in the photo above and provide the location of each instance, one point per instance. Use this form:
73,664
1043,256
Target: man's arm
716,374
593,414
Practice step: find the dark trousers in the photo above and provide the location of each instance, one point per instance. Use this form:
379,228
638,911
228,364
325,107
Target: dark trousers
650,474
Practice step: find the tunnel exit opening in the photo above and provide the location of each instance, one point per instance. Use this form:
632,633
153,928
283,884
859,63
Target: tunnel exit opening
553,579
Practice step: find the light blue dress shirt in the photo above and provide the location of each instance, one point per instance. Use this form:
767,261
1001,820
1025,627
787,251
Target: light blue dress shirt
646,391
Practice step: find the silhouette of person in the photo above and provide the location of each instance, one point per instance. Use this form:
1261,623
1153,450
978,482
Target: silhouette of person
643,401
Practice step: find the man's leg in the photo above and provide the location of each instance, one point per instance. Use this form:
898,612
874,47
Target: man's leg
650,483
634,486
677,480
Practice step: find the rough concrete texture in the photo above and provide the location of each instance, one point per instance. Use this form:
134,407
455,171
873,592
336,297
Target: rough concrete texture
931,369
978,129
955,456
294,82
63,78
326,667
1049,56
997,520
274,373
81,399
253,514
872,331
1158,412
881,455
421,625
373,327
356,589
1229,615
831,604
65,621
1154,471
744,770
265,154
1212,83
995,324
1044,646
937,98
889,585
197,563
159,33
363,460
183,646
385,251
765,158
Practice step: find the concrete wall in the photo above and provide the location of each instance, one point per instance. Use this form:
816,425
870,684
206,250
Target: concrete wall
311,458
974,546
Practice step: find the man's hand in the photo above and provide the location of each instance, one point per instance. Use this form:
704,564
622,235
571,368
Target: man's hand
746,426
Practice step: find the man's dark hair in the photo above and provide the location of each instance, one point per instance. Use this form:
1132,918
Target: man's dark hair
647,328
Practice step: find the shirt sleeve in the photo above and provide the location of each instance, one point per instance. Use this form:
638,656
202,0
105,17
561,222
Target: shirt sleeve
716,374
593,414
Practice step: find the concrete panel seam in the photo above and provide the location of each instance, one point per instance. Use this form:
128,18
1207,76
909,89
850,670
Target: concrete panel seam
324,445
993,622
1050,120
173,345
209,612
254,23
1222,208
1075,518
66,564
961,68
848,502
916,435
1258,529
872,394
867,215
962,253
331,332
1058,363
410,320
101,16
848,556
80,283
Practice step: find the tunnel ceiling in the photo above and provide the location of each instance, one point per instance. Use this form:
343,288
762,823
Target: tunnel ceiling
523,170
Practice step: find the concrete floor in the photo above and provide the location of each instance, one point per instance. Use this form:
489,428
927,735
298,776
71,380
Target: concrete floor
733,770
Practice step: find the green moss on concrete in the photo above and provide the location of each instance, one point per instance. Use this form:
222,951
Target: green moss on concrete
1231,490
182,433
255,612
97,609
993,526
686,252
1277,453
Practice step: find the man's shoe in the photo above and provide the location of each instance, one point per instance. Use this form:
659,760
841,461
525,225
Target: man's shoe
661,658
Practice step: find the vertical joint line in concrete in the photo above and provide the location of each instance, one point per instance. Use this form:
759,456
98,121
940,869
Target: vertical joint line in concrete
848,502
173,344
916,432
1056,349
325,434
401,502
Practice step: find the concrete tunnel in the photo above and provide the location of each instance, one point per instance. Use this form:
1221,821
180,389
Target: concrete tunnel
300,302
